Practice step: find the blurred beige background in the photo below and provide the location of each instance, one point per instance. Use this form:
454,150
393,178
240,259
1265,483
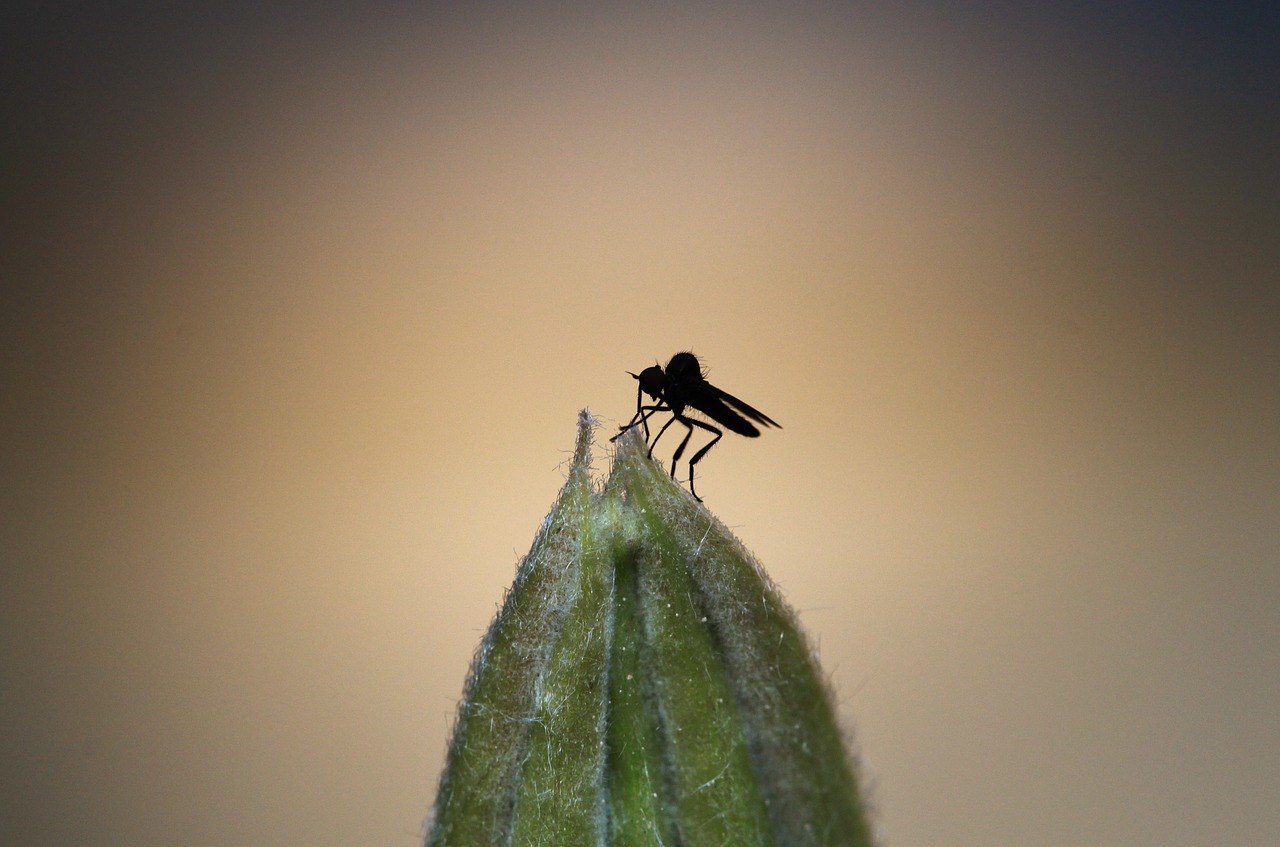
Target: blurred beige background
301,307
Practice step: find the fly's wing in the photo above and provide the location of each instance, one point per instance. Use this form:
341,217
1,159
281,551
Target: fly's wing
723,409
750,411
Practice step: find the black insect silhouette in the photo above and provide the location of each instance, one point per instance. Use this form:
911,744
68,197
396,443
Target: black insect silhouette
683,385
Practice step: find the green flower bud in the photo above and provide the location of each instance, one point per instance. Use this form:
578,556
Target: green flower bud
644,684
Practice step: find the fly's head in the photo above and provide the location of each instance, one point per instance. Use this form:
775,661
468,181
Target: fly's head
652,381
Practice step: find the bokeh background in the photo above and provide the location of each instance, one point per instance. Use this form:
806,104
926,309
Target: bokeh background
301,303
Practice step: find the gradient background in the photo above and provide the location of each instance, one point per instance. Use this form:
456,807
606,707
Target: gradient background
300,306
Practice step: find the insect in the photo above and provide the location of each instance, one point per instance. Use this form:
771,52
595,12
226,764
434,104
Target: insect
683,385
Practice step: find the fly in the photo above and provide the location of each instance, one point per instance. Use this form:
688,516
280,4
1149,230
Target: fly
683,385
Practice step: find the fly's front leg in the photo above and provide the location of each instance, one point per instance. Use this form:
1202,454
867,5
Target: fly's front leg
642,417
636,417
